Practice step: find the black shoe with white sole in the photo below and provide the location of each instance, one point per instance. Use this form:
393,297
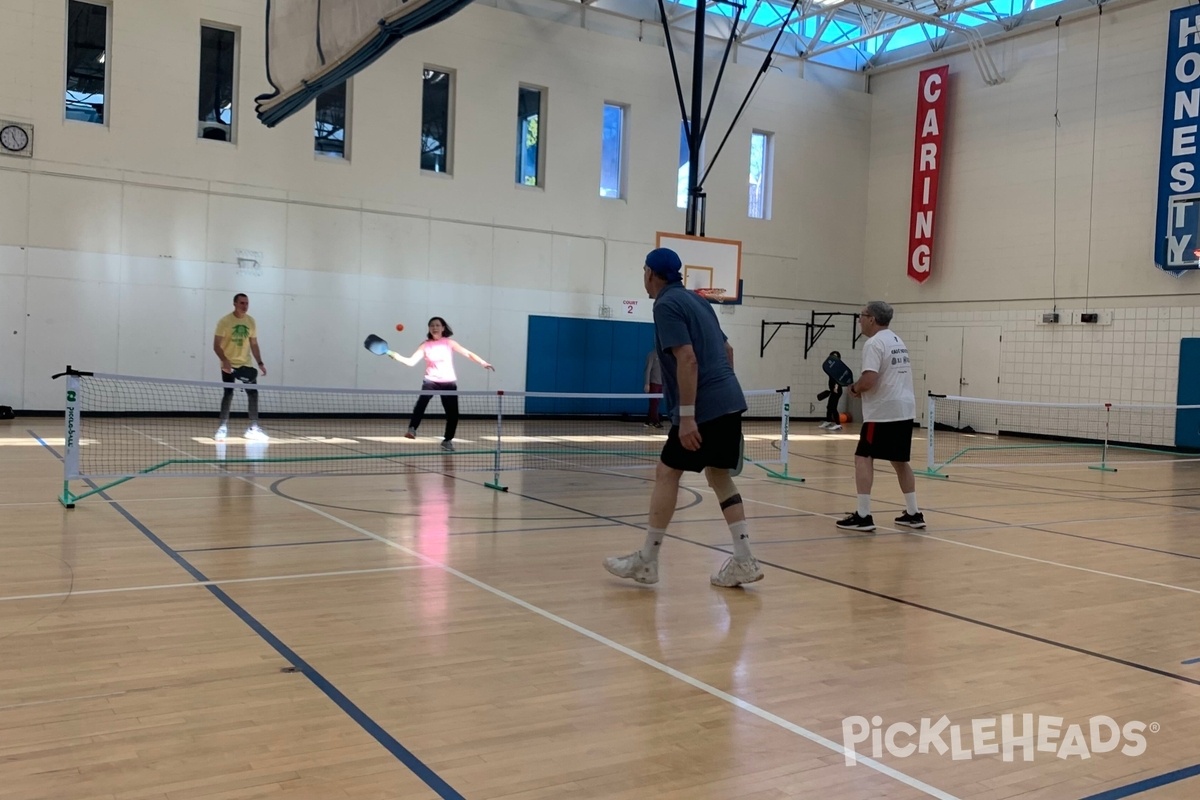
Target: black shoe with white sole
856,523
907,520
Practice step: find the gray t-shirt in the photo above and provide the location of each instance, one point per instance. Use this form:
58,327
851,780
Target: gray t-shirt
682,317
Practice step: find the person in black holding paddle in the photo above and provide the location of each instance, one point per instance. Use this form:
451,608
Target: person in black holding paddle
833,396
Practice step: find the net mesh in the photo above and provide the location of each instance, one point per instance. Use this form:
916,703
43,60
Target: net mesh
129,426
969,431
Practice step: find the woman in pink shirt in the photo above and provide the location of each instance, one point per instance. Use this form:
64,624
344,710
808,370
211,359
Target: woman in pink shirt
438,349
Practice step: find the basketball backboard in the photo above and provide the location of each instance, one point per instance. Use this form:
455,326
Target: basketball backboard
712,267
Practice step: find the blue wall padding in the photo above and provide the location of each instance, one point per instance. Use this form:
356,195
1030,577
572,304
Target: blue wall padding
1187,423
594,356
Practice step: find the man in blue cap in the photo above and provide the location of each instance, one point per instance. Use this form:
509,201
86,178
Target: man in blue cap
707,404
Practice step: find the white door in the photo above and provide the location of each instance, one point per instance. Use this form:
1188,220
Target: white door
981,371
943,366
981,363
966,362
12,342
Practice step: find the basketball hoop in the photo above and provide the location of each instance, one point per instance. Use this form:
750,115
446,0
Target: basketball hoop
713,294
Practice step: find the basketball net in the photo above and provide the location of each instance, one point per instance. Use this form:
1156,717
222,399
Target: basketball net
713,294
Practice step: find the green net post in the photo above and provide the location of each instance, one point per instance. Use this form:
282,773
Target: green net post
785,420
785,423
1103,465
495,482
931,466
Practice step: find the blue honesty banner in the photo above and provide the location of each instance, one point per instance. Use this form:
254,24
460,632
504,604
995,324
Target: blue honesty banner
1177,235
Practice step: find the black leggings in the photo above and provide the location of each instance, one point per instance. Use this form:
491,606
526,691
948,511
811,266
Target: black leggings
831,408
449,403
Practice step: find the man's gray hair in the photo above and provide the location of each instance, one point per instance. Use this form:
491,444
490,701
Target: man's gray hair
880,311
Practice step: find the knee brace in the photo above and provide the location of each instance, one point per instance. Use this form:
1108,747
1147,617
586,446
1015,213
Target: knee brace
723,485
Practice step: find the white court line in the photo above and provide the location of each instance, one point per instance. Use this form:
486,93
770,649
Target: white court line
994,526
61,700
1055,563
991,525
650,662
986,549
296,577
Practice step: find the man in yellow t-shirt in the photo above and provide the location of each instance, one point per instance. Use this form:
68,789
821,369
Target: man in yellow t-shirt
236,343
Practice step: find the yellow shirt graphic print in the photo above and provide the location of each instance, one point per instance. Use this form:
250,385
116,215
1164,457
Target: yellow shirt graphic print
235,335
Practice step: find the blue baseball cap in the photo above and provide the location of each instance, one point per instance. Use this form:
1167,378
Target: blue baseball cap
665,263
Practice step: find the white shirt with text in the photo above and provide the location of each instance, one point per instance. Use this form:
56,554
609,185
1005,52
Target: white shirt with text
892,398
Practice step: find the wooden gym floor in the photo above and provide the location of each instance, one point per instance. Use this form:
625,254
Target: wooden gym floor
422,636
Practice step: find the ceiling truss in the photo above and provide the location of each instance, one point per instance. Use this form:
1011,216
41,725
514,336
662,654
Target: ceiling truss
862,36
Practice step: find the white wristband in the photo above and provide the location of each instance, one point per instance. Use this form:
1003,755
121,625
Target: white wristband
687,411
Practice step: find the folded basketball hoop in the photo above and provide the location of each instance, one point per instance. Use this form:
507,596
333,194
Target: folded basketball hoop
316,45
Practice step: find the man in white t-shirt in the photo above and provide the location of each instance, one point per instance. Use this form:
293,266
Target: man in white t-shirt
889,408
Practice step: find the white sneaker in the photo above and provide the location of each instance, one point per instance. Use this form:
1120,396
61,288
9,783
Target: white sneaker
633,566
221,433
834,427
824,425
255,434
735,572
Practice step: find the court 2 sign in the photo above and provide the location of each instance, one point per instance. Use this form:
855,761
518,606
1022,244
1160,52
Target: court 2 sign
1177,233
927,162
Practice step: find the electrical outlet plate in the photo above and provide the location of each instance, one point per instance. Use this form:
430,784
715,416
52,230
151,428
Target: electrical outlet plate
1093,318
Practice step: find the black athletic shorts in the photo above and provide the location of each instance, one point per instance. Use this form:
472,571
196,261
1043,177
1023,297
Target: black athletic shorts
720,446
887,441
243,374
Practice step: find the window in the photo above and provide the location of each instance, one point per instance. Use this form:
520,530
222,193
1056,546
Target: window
87,56
218,72
530,135
761,152
330,131
437,131
612,152
681,185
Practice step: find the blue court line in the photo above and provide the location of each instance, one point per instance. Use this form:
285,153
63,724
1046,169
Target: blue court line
279,544
1191,661
401,753
1147,784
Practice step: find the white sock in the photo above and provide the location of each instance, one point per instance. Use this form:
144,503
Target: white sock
910,502
864,505
741,539
654,540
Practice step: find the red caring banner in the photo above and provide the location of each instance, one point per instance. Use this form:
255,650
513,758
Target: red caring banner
927,161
